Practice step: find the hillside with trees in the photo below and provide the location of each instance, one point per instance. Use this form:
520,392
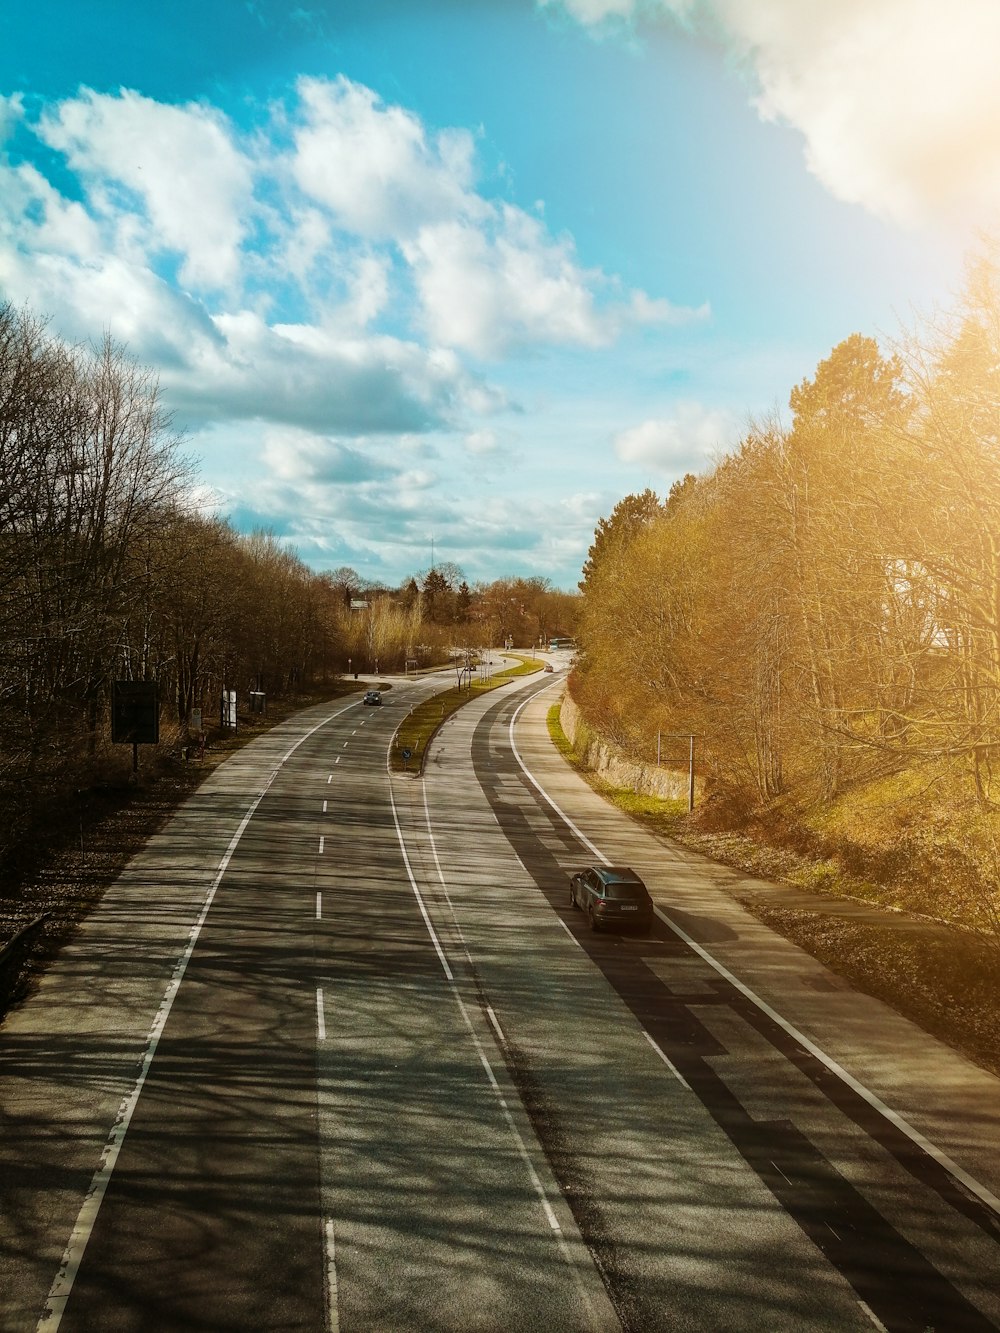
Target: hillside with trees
822,610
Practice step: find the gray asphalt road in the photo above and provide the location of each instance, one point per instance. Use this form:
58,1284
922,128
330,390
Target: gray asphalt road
747,1143
251,1096
336,1053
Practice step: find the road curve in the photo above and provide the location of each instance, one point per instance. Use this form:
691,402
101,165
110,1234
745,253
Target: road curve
336,1053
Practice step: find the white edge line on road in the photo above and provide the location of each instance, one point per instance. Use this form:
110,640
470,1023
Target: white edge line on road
873,1317
667,1061
59,1292
441,878
332,1295
893,1117
570,934
413,882
496,1026
549,1211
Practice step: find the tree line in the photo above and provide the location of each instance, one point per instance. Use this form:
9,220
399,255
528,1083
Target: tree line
822,607
111,571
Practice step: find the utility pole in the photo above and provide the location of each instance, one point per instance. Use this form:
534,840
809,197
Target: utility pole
691,776
681,735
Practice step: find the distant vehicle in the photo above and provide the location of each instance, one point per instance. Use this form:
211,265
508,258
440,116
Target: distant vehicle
612,896
561,642
373,697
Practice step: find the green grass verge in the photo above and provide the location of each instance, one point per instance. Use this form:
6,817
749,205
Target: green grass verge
559,738
416,731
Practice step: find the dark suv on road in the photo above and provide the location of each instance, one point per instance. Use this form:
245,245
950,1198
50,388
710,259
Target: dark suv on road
372,697
612,896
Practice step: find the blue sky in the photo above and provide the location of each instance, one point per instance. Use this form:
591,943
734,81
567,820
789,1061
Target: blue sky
470,271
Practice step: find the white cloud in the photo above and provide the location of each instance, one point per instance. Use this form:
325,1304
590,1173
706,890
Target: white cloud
55,224
505,282
489,277
376,500
898,100
315,377
88,295
686,439
369,217
299,456
181,163
604,13
485,293
375,166
482,443
11,112
368,288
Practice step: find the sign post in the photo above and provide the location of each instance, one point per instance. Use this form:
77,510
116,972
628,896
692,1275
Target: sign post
135,715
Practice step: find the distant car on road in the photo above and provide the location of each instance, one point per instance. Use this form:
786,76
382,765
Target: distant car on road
373,697
612,896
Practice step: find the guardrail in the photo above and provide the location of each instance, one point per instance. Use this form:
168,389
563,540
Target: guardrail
13,955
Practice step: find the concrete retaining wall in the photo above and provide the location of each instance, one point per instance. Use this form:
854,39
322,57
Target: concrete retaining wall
669,784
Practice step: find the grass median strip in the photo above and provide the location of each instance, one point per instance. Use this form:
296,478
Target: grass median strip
415,732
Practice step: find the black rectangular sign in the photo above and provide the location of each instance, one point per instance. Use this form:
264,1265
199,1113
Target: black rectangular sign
135,712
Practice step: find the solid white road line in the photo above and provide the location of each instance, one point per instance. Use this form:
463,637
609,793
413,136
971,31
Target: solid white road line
570,934
984,1195
496,1026
667,1061
441,878
873,1317
413,885
59,1292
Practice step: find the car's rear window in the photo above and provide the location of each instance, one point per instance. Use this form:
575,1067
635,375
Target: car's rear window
624,890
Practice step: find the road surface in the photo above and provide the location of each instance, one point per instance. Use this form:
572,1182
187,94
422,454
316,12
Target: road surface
337,1053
